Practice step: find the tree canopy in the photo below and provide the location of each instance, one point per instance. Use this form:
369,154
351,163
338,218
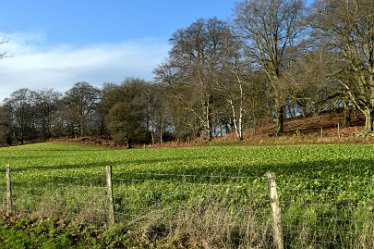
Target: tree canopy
275,60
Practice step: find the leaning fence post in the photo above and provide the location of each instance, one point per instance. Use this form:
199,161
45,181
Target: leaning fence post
110,194
9,204
276,212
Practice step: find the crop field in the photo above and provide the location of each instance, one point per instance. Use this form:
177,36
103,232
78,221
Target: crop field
202,197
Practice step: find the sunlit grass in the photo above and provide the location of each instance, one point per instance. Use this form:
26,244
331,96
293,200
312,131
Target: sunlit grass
318,184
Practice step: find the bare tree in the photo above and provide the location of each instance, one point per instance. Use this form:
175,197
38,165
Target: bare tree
309,86
157,109
346,28
234,78
128,109
79,104
20,105
270,28
182,99
195,64
193,55
45,102
6,131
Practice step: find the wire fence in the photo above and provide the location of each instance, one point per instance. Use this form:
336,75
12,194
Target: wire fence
217,210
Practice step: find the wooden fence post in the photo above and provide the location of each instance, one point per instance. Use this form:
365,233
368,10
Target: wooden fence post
9,204
339,134
276,212
110,195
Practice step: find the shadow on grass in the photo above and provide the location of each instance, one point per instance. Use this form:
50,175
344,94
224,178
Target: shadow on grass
322,169
325,170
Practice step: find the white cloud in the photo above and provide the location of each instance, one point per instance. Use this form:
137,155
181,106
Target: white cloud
36,65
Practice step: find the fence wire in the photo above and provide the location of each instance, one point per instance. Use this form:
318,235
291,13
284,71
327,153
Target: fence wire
315,213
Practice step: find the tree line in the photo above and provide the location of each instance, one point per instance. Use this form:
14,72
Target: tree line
275,60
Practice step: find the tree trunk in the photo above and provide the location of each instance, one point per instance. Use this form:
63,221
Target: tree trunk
81,128
237,123
9,140
241,136
209,128
153,138
129,143
279,108
210,131
241,110
369,119
279,116
347,115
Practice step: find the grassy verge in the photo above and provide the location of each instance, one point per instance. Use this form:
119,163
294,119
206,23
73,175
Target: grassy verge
24,232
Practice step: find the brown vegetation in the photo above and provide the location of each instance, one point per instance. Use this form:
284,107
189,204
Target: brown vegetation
296,131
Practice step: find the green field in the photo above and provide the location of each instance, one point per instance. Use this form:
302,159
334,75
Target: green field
202,196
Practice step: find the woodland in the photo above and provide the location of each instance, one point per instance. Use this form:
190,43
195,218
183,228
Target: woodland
273,61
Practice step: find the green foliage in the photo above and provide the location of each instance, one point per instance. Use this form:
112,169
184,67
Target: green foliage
48,234
326,191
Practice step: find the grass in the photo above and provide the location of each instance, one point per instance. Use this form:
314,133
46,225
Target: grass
202,197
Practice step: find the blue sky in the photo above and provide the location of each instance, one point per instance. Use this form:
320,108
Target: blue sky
56,43
81,22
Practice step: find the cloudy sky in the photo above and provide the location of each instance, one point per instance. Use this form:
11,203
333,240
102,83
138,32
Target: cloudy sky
54,44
